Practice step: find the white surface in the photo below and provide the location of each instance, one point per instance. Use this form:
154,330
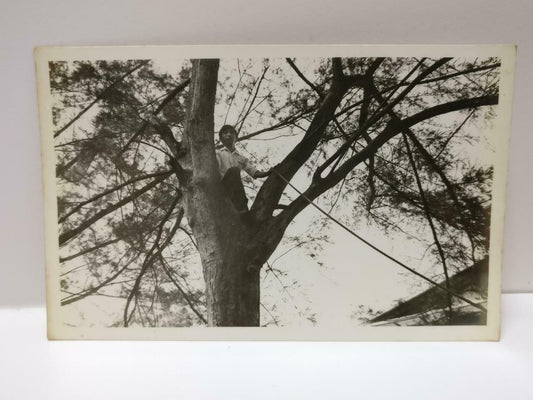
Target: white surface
31,367
25,24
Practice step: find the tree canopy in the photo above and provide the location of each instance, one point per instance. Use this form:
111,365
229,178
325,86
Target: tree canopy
396,143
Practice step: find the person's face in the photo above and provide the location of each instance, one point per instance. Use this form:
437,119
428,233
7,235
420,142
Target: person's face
228,138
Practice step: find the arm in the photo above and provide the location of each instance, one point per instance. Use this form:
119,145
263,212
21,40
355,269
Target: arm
262,174
251,169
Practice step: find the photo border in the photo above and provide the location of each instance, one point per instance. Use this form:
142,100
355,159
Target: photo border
502,123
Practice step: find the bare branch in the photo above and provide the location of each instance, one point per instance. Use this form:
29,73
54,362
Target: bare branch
241,120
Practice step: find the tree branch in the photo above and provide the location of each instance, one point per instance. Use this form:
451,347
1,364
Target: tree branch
106,192
422,82
183,293
429,219
100,97
318,187
302,76
241,120
145,124
270,193
151,255
68,235
378,114
431,161
445,144
79,296
89,250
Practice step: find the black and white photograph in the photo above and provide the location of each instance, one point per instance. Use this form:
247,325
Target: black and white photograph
285,192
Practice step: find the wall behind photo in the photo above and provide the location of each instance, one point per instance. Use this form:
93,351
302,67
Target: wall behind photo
25,24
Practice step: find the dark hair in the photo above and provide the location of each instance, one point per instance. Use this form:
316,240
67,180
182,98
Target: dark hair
226,128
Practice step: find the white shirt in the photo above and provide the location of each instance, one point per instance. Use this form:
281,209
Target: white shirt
229,159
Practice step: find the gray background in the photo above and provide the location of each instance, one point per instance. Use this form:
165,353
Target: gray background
25,24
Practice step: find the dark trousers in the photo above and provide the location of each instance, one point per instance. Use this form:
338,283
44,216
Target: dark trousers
234,189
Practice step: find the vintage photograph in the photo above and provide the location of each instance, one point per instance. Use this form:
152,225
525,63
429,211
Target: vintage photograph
300,192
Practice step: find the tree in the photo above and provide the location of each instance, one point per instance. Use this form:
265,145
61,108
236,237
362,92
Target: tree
137,200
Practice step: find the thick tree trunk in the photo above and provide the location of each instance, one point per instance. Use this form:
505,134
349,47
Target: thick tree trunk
232,288
225,239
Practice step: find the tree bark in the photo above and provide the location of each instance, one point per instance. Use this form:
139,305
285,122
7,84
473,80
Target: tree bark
226,239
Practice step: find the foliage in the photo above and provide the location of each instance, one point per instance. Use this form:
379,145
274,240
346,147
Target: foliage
118,202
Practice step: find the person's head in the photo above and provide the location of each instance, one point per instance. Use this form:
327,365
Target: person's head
228,136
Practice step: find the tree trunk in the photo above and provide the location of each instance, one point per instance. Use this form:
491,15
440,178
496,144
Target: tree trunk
232,287
224,236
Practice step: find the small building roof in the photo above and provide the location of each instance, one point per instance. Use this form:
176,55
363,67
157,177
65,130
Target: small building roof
471,282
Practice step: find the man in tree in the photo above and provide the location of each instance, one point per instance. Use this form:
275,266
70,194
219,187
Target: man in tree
230,164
